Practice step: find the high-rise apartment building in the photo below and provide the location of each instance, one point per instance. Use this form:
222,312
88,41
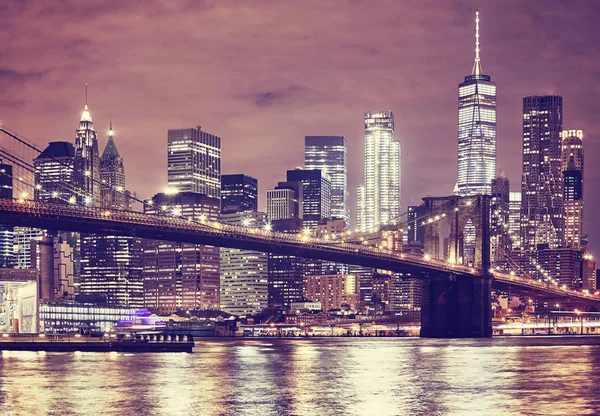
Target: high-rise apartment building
379,202
181,276
328,154
244,276
238,193
6,232
542,201
572,166
194,162
86,163
476,129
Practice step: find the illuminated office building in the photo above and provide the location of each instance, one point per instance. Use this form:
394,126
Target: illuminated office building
23,239
333,291
316,195
238,193
514,220
111,266
542,201
194,162
284,202
244,276
572,166
181,276
53,173
379,202
328,154
476,129
500,219
86,174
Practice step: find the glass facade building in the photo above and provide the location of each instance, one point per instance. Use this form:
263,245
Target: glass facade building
238,193
379,202
476,130
194,162
328,154
53,173
542,202
316,195
86,174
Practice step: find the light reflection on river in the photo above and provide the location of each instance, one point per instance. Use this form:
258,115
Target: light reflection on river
533,376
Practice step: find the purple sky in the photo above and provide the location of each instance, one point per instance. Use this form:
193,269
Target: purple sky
263,74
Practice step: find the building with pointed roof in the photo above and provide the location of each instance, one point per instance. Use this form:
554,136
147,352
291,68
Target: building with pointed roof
476,129
112,175
86,175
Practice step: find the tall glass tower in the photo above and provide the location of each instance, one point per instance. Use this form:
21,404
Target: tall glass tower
380,201
328,154
542,205
476,129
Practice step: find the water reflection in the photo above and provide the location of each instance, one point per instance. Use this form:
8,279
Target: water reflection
313,376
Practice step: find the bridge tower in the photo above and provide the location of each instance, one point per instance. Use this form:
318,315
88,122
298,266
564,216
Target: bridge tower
457,305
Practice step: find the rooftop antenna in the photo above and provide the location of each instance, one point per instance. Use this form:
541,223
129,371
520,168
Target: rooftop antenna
477,64
86,95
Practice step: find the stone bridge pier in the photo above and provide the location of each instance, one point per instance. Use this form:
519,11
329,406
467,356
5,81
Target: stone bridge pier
457,305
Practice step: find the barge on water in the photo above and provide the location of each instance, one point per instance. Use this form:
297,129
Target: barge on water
132,343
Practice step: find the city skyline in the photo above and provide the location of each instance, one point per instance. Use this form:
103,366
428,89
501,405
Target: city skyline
258,112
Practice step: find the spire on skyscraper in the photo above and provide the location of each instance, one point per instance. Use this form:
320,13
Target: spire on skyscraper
86,116
477,64
110,151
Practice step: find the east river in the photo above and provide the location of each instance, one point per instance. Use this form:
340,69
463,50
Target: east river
336,376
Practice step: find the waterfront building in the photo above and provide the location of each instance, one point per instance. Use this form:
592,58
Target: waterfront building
244,275
329,155
542,202
86,162
56,267
333,291
238,193
286,273
6,231
572,167
194,162
181,276
476,129
379,200
77,317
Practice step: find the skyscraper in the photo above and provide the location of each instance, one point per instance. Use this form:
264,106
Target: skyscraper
514,220
380,202
542,202
476,129
194,162
328,154
499,231
572,166
86,175
54,172
244,276
6,232
238,193
111,266
112,175
316,195
181,276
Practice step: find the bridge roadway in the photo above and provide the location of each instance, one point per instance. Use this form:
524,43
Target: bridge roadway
172,228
